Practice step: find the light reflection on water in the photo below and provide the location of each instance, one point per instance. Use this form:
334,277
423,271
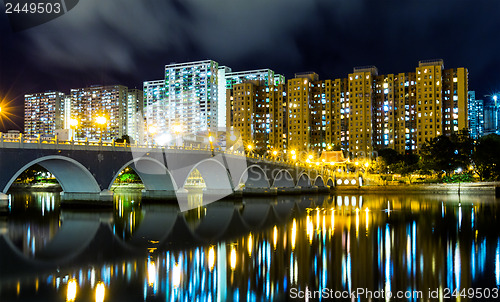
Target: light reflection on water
257,249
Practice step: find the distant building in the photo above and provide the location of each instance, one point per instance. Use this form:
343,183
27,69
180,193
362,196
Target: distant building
360,114
492,115
221,94
191,96
476,116
135,119
100,112
44,113
256,111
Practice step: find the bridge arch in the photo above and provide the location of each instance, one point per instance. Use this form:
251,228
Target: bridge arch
71,175
254,177
304,181
153,173
214,175
283,179
319,182
330,182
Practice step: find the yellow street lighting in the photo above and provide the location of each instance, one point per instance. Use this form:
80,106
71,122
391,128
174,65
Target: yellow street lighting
71,291
101,120
232,259
100,291
73,122
294,157
177,129
275,152
310,157
356,163
152,129
250,147
5,111
293,152
367,164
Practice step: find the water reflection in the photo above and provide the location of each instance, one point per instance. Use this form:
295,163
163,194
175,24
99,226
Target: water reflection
257,249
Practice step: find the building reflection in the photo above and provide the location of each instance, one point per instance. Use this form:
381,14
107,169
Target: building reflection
342,242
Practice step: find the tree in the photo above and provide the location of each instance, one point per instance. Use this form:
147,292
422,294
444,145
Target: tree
390,156
486,157
464,146
440,154
125,139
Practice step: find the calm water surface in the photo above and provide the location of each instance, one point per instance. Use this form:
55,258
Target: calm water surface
252,250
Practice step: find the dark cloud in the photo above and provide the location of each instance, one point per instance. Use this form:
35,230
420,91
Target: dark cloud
129,41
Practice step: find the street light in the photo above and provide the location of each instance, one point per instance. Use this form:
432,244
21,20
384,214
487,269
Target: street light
211,140
101,121
177,129
73,122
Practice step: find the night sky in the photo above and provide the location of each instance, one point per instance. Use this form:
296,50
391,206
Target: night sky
130,41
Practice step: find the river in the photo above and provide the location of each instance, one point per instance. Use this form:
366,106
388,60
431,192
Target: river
286,248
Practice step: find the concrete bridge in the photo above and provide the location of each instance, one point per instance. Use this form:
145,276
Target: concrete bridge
86,171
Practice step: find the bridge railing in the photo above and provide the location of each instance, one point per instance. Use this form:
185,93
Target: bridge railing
24,142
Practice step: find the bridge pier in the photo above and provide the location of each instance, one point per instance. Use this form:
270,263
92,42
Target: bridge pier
248,191
4,200
94,199
158,194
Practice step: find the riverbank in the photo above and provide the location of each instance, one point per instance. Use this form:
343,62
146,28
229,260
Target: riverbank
442,188
127,188
36,187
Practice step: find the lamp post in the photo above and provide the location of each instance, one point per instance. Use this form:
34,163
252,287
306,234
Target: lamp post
73,125
211,140
275,154
250,148
101,121
177,129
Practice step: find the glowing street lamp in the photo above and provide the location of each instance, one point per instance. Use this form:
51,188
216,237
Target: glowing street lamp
250,148
101,121
177,129
71,291
152,129
211,140
73,122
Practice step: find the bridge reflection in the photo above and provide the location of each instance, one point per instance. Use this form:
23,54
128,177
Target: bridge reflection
258,251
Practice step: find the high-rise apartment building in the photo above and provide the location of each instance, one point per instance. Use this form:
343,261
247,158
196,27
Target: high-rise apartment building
256,111
492,115
265,77
101,111
221,94
366,111
44,113
360,114
135,120
191,97
476,116
155,109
